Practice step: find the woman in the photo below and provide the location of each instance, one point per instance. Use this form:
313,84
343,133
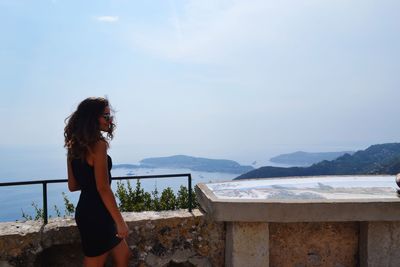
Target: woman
100,223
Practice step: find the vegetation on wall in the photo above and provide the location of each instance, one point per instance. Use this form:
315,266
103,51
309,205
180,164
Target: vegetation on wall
131,199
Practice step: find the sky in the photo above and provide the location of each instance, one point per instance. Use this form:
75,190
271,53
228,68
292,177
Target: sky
233,79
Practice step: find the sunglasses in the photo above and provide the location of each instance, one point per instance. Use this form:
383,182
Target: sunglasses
107,116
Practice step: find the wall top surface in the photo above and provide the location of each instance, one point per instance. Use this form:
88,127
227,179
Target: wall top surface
308,188
302,199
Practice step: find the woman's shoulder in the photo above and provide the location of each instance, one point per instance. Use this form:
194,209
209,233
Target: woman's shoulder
100,146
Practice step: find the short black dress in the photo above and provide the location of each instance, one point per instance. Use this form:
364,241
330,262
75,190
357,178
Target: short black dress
95,224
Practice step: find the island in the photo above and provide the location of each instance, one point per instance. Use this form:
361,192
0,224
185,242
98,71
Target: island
189,162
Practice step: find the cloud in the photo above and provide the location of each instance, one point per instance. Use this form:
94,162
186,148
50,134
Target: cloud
213,31
224,31
110,19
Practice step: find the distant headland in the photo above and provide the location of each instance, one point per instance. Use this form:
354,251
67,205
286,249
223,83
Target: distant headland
376,159
303,159
188,162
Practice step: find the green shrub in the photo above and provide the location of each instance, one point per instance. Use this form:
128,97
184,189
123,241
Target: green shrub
69,207
138,200
168,199
182,200
130,199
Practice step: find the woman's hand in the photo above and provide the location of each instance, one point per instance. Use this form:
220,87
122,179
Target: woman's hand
122,230
398,179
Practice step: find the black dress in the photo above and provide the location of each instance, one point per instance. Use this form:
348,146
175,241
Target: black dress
95,224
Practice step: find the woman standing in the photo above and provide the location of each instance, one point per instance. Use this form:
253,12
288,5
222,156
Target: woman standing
100,223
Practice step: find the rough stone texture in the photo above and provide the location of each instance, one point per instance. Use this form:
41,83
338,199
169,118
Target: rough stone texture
247,244
379,244
172,238
176,239
61,256
314,244
19,243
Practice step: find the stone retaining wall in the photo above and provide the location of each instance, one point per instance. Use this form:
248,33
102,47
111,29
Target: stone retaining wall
170,238
180,238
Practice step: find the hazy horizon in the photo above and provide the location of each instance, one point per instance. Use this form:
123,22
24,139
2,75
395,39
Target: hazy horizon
49,161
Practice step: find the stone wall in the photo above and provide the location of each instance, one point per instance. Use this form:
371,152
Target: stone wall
180,238
170,238
261,244
330,244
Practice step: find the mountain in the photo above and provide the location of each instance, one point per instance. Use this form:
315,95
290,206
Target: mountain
192,163
377,159
301,158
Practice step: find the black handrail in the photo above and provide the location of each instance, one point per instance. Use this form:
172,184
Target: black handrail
45,182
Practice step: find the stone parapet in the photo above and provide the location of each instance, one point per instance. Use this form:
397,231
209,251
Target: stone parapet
156,239
307,221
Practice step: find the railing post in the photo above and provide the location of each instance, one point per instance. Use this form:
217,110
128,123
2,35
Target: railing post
190,191
45,202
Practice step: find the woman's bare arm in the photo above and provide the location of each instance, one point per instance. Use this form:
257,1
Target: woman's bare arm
100,163
73,184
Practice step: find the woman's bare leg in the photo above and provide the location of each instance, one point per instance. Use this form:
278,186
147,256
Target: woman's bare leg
97,261
121,254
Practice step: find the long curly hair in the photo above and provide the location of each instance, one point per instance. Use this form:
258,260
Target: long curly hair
82,128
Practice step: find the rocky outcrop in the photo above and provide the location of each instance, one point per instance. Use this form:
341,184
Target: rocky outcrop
169,238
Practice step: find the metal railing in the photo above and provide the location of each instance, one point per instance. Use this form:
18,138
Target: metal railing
45,182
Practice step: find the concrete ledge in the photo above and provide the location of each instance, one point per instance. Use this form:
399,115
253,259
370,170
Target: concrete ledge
310,210
312,221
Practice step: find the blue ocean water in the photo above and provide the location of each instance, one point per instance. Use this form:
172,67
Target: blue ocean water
38,163
17,199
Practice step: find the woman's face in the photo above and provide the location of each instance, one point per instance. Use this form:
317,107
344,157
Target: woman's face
105,120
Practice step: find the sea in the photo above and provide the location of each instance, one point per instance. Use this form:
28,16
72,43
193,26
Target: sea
30,163
16,200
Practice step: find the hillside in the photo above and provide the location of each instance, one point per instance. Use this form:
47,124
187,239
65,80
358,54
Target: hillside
192,163
377,159
301,158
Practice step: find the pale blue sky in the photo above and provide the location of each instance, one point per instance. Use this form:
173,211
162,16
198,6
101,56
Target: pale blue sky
221,79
